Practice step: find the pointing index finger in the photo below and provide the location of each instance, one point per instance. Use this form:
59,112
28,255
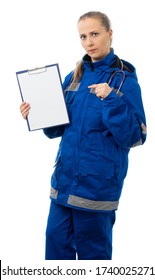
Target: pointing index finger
92,86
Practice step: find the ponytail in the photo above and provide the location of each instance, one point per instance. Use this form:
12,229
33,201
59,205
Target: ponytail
78,72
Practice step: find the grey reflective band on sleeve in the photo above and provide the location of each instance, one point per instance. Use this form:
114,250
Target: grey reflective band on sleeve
137,143
53,193
92,204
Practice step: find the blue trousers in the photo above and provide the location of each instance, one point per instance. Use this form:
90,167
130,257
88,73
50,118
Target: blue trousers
74,234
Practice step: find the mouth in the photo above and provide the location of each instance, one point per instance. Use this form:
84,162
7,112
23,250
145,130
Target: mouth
92,51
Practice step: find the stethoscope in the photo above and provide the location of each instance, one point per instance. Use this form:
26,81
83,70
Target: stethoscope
122,73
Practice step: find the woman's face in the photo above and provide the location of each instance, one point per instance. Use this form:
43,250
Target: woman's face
94,38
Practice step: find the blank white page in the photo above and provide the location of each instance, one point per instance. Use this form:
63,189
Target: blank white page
42,89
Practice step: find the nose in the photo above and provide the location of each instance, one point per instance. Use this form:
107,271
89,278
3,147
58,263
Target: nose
89,41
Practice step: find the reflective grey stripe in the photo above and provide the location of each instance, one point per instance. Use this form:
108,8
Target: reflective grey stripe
137,144
87,203
53,193
92,204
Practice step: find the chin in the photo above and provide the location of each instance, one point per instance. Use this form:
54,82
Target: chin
95,58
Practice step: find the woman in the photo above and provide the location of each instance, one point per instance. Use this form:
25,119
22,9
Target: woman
107,118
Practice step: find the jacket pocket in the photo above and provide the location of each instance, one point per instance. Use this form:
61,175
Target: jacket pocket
69,97
101,166
96,179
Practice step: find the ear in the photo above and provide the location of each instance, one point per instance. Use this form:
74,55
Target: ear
110,34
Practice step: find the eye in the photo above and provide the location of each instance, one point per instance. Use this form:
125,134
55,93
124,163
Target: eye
94,34
82,37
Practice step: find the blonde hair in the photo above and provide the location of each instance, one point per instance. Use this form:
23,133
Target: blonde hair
106,23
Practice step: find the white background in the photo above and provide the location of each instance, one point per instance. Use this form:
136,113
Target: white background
35,33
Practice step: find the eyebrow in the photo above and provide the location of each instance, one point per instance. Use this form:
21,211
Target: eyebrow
94,31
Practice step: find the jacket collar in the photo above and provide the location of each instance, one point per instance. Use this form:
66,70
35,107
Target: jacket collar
102,64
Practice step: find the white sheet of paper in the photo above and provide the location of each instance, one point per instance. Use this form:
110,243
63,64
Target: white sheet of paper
42,89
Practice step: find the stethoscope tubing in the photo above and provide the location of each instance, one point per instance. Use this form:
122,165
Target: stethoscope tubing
121,71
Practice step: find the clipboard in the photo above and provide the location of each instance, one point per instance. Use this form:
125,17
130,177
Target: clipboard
42,89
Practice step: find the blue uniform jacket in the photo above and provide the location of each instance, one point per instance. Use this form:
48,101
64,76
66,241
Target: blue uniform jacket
92,160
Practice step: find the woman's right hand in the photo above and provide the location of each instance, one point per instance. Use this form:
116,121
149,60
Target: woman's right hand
24,109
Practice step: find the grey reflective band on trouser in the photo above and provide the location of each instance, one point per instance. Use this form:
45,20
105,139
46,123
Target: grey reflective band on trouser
87,203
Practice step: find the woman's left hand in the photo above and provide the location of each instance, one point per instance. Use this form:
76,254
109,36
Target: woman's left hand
101,90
